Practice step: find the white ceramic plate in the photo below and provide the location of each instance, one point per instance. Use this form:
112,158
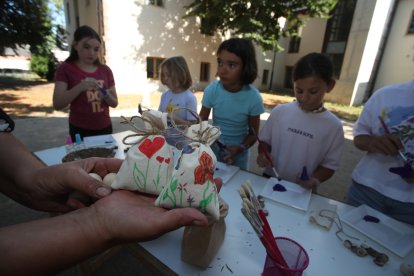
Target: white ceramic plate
225,172
398,237
99,141
294,196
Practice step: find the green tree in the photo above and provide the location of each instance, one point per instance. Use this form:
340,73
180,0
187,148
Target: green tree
33,23
24,22
257,19
58,28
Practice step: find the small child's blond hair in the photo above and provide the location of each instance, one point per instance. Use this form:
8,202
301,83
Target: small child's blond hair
179,72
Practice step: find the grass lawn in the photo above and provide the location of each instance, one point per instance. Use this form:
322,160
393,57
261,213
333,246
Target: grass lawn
345,112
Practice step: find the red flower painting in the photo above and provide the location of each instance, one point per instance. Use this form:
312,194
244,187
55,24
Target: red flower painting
205,170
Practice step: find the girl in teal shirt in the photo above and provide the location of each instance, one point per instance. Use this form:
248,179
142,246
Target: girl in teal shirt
236,103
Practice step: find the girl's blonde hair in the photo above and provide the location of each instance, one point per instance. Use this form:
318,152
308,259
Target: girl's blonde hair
178,72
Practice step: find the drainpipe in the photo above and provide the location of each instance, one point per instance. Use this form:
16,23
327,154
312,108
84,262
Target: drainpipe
383,43
99,13
273,68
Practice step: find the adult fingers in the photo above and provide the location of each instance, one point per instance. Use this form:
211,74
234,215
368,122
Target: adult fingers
101,166
176,218
77,178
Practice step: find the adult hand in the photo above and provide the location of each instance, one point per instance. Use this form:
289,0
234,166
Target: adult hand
123,216
50,187
130,216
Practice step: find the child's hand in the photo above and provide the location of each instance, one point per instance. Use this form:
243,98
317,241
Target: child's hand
387,144
311,183
262,161
231,152
88,84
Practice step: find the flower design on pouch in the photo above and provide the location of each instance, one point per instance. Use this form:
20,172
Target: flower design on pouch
190,200
204,171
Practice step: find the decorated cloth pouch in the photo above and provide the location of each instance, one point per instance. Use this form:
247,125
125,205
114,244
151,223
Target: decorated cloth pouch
201,132
204,131
200,244
148,164
192,183
154,118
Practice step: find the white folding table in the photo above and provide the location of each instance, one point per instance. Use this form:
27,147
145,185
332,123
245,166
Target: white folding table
242,252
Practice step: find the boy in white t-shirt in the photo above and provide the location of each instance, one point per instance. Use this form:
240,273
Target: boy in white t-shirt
303,133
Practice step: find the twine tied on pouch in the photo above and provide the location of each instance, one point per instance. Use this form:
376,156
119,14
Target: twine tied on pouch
153,125
201,132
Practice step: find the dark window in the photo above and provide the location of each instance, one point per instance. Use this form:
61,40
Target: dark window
155,3
294,44
153,66
411,25
337,32
76,13
205,71
288,77
265,76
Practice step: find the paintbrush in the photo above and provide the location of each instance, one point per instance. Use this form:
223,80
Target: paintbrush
268,244
257,207
103,90
263,149
406,171
259,222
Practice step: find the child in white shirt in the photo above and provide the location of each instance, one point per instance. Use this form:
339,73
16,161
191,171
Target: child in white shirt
178,99
303,133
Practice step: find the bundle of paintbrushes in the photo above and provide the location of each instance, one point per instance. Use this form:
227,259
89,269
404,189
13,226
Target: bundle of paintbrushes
254,213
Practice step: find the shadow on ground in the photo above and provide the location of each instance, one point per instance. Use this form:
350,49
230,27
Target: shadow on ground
22,110
13,83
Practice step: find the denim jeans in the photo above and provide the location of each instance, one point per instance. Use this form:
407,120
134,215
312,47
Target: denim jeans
360,194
